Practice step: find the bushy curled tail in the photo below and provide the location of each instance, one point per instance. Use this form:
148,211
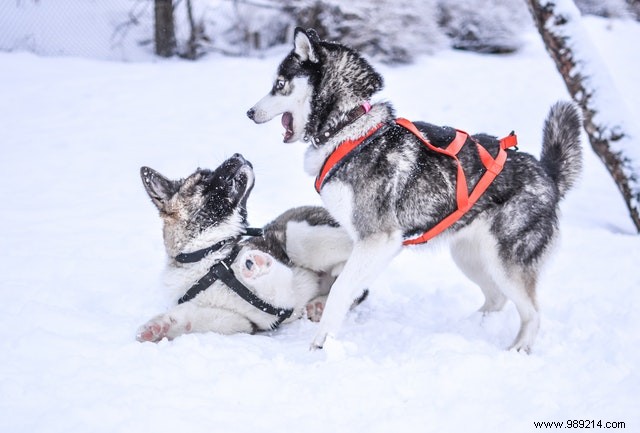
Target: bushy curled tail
561,154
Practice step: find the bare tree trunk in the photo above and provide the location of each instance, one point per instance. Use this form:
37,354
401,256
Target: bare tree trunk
195,34
165,37
607,123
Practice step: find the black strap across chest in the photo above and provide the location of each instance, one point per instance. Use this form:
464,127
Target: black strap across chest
196,256
222,271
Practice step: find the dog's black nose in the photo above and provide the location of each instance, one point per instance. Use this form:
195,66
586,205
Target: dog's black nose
241,159
251,113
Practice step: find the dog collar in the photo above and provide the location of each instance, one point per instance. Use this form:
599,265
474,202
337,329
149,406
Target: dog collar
222,271
352,116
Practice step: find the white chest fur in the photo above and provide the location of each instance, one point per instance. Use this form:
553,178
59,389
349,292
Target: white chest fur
338,199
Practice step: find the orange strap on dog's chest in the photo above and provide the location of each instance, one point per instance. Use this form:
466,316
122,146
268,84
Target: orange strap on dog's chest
464,200
340,152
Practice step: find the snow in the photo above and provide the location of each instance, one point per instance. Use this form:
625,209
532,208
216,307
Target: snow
83,256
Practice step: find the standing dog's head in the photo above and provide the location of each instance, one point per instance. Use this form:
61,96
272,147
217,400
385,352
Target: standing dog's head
208,205
316,85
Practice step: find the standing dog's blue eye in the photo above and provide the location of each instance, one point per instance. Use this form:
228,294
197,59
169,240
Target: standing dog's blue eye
280,84
248,264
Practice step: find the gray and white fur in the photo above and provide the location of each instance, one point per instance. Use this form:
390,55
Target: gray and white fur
292,265
393,188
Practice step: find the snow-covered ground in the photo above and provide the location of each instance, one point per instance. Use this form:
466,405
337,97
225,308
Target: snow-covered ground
82,258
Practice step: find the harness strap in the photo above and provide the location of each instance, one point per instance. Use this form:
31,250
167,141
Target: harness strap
339,153
222,271
464,200
226,275
196,256
209,278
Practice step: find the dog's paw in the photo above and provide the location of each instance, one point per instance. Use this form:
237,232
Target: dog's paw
160,327
318,341
255,264
152,331
315,308
521,347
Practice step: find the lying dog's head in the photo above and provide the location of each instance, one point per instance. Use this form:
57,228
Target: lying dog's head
208,205
315,86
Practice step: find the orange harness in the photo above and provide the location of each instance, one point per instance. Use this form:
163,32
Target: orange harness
464,200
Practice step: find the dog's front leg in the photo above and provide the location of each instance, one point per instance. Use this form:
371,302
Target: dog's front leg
192,317
369,256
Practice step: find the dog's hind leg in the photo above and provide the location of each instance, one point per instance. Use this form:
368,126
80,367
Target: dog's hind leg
520,289
368,258
468,252
315,307
475,251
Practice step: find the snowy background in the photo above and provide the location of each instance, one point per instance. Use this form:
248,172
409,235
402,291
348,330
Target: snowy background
82,258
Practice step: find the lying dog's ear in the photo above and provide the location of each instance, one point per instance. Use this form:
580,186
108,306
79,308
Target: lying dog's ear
304,44
159,188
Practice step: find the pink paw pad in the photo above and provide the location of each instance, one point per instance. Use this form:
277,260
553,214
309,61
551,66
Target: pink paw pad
153,331
255,264
314,311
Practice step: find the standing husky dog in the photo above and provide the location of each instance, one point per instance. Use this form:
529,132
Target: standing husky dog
226,285
391,187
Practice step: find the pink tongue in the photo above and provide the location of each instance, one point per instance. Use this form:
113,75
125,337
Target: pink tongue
287,122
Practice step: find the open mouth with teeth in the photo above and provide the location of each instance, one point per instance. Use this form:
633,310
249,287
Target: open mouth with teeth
287,122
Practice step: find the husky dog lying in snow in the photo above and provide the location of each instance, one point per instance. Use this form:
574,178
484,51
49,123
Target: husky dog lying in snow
391,188
227,285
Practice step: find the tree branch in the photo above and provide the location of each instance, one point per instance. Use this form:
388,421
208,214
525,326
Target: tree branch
611,141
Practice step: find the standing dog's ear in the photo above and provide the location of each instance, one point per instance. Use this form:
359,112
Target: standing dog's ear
159,188
304,44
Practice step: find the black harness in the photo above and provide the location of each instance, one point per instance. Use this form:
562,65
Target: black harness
222,271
